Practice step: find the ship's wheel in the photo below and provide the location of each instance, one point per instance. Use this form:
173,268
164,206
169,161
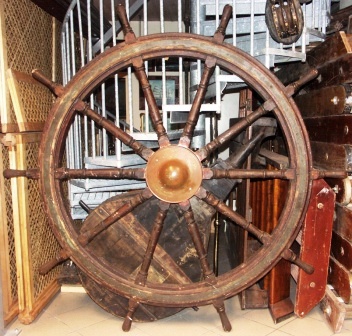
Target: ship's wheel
179,182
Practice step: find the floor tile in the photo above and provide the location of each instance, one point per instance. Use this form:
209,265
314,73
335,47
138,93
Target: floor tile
111,326
46,327
83,317
263,316
307,327
279,333
65,302
179,325
75,314
316,313
348,324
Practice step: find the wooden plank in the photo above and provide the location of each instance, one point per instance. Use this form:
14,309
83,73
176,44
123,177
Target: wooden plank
339,20
332,49
315,247
30,99
333,73
274,159
341,249
34,241
343,221
331,156
341,279
327,101
333,129
16,99
334,309
7,243
4,94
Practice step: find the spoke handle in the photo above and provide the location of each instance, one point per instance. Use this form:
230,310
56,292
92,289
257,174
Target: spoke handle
55,88
295,86
225,18
32,173
220,308
132,306
130,37
289,255
59,258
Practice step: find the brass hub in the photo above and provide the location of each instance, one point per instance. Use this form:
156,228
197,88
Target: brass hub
174,174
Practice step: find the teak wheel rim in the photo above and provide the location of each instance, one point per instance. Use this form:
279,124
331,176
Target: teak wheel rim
234,61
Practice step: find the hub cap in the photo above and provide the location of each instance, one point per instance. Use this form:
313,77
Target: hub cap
174,174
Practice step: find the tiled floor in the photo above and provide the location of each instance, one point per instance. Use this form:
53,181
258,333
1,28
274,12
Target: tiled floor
75,314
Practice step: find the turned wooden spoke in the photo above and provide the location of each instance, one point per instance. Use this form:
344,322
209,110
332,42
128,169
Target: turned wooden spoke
198,243
233,131
193,115
142,77
209,66
142,275
283,174
220,308
112,173
154,112
84,109
88,233
117,132
220,206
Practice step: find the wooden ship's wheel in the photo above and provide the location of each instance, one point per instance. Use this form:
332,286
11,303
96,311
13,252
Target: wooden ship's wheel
129,245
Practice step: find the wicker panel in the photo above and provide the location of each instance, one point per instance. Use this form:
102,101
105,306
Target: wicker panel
43,243
37,240
7,240
28,40
29,33
31,235
32,101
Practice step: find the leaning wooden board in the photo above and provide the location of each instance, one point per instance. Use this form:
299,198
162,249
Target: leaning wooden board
315,247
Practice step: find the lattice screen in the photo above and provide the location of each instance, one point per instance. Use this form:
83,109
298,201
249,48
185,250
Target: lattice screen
32,101
28,40
37,240
7,242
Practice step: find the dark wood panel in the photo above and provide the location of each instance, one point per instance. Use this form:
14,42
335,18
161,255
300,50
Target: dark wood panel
340,279
325,102
330,156
56,8
332,129
343,221
341,249
327,57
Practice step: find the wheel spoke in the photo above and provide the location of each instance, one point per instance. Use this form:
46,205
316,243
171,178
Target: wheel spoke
88,233
113,173
193,229
233,131
142,77
154,112
209,66
193,115
283,174
117,132
142,275
220,206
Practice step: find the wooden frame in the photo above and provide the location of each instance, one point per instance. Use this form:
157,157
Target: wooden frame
31,100
34,241
8,250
